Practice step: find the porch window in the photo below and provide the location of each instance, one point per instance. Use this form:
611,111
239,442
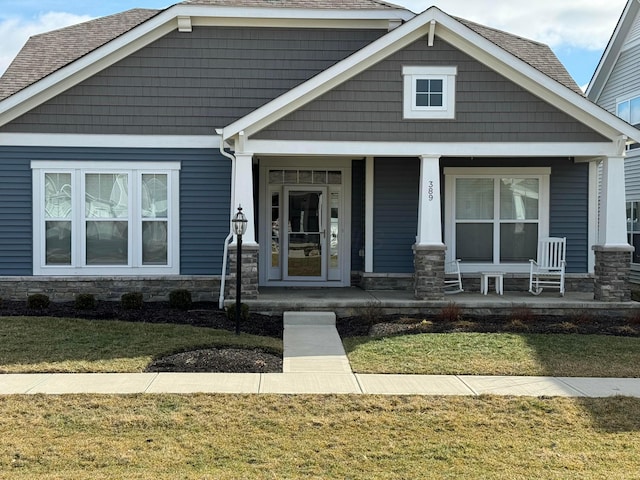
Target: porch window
495,217
429,92
95,218
633,228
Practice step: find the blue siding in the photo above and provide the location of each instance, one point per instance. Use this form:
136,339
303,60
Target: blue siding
569,202
204,202
570,211
357,214
16,252
395,214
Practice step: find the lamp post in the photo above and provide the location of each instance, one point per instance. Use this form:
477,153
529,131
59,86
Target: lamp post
239,222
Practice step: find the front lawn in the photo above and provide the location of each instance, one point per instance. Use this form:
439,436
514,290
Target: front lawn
47,344
317,437
497,354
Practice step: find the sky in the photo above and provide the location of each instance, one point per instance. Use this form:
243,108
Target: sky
576,30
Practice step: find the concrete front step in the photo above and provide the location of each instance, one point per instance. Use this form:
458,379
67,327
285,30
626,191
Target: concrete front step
312,344
309,318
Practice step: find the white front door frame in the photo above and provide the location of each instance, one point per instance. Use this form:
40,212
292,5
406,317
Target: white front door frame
265,269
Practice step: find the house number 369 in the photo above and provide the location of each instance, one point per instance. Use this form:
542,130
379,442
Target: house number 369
430,191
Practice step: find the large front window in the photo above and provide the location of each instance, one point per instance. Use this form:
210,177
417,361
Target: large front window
495,216
96,218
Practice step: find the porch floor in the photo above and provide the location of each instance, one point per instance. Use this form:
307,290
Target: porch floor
353,301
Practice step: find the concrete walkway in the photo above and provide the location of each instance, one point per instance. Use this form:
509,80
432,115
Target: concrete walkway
315,383
314,362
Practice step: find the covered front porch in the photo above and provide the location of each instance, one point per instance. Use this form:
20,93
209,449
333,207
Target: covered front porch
354,301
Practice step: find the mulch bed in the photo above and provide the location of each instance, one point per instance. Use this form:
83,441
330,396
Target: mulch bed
206,314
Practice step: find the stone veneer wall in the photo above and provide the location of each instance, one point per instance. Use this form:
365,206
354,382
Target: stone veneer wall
428,263
249,278
154,289
612,270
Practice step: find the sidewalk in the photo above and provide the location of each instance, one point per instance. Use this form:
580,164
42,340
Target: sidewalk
314,362
314,383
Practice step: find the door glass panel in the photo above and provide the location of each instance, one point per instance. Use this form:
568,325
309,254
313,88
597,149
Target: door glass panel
275,229
334,208
305,246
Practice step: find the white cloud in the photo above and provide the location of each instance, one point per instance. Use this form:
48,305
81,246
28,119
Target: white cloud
14,32
584,24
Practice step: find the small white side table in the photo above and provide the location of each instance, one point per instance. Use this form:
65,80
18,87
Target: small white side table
498,280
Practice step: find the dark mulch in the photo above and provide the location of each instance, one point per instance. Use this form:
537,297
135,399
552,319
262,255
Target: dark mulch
207,314
200,314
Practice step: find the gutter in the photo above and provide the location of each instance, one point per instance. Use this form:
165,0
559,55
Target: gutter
229,237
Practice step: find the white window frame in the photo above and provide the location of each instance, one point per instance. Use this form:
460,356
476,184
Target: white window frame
411,74
452,173
627,99
78,171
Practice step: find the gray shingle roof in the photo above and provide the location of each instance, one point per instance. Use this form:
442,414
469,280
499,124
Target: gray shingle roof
46,53
536,54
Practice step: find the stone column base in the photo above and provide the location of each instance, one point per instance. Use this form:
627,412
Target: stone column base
428,261
611,279
249,278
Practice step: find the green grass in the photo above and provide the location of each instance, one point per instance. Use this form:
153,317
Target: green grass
44,344
497,354
317,437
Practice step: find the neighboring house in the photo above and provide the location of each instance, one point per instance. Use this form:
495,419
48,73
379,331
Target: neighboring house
365,144
615,86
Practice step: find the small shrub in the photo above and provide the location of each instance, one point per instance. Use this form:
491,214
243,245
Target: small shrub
582,317
85,301
522,314
634,318
38,301
450,313
180,299
369,313
517,325
131,301
244,312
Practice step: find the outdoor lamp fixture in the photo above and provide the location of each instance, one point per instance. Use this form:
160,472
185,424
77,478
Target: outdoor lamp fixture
239,223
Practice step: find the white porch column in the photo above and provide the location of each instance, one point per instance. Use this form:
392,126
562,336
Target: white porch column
243,185
613,223
429,213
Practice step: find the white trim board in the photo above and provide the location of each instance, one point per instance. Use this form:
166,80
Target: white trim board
416,149
108,141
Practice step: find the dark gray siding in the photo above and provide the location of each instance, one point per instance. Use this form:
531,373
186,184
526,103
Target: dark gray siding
569,204
395,214
204,202
489,107
16,251
357,214
191,83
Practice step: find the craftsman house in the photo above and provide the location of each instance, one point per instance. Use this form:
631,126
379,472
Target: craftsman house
616,87
366,145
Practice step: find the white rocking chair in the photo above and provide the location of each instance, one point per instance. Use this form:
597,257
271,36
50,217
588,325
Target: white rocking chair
548,269
452,277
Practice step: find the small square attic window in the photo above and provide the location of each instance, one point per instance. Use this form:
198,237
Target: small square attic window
429,92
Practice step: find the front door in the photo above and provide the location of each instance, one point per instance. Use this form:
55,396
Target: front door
305,233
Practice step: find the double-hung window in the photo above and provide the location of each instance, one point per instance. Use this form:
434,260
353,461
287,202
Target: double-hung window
429,92
102,218
495,217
